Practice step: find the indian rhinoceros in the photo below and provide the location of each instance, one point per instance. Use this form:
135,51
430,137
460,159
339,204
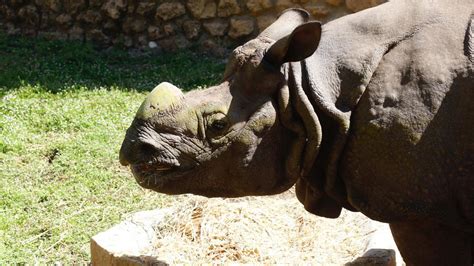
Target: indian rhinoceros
372,112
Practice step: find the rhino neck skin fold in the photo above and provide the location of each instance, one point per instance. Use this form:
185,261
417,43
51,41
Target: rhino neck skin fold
335,77
371,112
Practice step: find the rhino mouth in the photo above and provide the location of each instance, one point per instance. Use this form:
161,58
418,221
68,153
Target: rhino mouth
147,167
155,175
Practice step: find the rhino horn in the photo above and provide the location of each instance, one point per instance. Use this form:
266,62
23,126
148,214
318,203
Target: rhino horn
286,23
163,99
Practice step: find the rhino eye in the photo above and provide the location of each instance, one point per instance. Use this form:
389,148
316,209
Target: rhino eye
219,125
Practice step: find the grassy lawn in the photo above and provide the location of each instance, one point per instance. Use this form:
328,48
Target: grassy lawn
64,108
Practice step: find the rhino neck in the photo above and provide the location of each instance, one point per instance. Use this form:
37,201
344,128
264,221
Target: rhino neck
336,76
323,138
333,82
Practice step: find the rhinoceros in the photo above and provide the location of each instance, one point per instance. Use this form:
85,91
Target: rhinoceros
372,112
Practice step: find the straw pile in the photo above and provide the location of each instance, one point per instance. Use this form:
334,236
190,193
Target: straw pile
268,230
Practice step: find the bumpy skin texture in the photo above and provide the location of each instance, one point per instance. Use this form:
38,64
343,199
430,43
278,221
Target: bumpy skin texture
374,113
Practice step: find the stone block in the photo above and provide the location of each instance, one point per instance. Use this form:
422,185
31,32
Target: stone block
284,4
7,13
334,2
228,8
155,33
241,26
134,25
217,27
174,43
209,46
72,7
169,29
145,8
191,29
54,5
170,10
142,40
64,20
317,10
95,3
91,17
202,9
114,8
375,257
29,15
380,249
127,242
259,5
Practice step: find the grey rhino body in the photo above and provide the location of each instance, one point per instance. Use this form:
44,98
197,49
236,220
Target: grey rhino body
379,119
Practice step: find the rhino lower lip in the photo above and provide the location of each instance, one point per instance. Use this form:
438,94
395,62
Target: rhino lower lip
162,168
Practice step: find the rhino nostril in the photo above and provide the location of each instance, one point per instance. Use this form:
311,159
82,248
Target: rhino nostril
147,150
122,158
132,152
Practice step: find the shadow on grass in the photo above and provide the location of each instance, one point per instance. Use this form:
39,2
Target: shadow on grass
64,65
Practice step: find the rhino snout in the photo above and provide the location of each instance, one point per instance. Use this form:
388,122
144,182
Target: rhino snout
124,155
162,101
133,152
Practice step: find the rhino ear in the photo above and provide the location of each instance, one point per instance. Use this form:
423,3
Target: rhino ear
300,44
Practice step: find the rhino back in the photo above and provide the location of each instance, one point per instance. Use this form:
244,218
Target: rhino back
410,152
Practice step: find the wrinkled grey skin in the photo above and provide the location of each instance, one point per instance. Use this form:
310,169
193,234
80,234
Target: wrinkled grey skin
378,119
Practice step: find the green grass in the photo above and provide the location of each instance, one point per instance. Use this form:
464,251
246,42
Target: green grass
64,108
59,65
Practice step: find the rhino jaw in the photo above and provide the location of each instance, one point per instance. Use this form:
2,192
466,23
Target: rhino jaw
162,99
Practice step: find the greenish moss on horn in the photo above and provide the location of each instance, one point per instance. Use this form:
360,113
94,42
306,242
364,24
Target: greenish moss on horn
164,98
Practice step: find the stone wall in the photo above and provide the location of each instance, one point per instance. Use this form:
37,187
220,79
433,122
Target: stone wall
159,24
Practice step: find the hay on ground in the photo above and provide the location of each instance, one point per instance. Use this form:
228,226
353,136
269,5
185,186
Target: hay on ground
264,230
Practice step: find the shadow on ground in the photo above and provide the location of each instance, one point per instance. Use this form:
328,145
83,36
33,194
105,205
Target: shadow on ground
65,65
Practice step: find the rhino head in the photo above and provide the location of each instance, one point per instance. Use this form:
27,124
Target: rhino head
238,138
